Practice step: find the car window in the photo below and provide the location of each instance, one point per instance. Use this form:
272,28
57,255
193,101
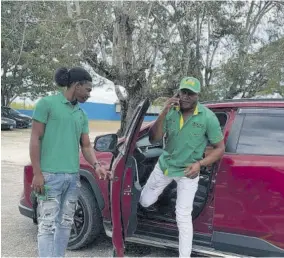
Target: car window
222,117
13,112
262,134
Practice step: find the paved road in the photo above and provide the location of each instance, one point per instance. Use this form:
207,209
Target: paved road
18,232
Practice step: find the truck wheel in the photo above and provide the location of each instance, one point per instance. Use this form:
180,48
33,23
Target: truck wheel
88,222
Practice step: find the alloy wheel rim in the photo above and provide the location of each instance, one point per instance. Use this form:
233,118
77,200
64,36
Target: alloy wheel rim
79,218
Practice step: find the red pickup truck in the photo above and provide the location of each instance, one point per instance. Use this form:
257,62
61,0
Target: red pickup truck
239,205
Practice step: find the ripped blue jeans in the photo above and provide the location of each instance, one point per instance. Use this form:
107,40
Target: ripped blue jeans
55,215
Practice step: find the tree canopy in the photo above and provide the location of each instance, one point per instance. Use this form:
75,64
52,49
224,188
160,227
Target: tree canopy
234,48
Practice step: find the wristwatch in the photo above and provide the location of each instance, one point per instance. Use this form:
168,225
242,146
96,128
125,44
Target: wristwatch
96,164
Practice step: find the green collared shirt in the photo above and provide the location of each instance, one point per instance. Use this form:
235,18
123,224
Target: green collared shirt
185,141
64,125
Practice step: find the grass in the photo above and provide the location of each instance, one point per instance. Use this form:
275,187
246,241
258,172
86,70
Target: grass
104,126
15,105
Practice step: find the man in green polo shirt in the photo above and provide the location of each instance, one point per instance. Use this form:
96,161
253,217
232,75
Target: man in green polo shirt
59,127
186,126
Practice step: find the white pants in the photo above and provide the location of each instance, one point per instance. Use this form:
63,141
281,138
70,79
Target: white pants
186,189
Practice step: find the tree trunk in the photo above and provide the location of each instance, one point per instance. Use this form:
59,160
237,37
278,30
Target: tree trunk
127,114
124,69
5,96
123,114
3,100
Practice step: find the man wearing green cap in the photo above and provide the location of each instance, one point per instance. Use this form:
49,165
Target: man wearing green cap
186,126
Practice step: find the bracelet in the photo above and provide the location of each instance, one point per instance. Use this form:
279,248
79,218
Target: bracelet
97,163
199,163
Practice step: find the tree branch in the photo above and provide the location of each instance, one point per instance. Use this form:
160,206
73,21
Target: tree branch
144,33
86,20
152,68
209,41
101,68
212,58
102,47
259,16
165,33
22,44
69,9
247,27
119,93
80,35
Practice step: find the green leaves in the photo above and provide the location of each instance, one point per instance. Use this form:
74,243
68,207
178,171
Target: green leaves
34,40
158,44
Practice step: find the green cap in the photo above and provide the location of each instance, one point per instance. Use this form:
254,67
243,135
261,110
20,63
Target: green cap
190,83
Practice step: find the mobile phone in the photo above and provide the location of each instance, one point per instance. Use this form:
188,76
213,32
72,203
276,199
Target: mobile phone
176,105
176,95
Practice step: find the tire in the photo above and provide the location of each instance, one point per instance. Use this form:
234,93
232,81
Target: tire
88,224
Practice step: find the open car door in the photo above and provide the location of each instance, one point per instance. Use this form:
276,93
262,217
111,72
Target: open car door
125,189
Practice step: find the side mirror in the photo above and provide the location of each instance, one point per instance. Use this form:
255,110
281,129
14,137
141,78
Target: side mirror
106,143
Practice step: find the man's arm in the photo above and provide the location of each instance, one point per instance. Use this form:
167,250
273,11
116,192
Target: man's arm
157,130
215,137
214,155
90,157
40,116
35,141
85,143
36,135
87,150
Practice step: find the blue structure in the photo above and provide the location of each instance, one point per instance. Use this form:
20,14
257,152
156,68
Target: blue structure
26,112
98,111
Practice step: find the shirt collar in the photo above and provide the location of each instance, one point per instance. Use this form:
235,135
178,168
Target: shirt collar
63,98
198,109
66,101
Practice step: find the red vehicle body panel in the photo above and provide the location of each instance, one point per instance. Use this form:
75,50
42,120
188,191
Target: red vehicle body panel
117,237
249,197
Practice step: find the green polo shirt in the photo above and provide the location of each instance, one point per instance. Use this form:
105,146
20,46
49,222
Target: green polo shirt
185,142
64,125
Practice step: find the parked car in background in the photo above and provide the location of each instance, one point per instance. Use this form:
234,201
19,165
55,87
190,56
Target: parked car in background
7,124
238,207
22,120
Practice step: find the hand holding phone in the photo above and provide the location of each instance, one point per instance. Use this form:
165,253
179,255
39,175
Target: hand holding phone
172,102
176,104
